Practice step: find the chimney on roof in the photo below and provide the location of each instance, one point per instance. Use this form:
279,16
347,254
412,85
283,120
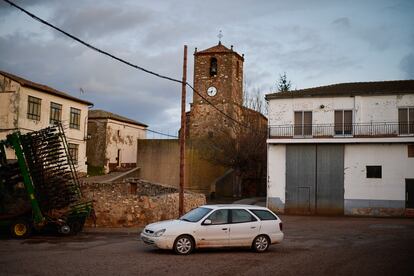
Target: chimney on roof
195,50
231,47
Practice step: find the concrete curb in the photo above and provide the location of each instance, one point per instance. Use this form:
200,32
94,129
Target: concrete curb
113,230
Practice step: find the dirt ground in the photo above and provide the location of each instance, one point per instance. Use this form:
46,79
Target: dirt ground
312,246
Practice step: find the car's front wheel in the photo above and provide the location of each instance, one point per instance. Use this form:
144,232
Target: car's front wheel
261,243
183,245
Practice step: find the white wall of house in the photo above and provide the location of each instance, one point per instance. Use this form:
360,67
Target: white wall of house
9,105
124,137
13,114
8,112
396,167
359,191
366,108
8,117
362,195
276,176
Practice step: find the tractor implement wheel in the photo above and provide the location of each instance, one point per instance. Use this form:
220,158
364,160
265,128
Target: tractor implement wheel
20,229
64,229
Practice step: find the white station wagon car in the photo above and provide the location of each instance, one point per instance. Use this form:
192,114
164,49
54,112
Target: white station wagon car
217,226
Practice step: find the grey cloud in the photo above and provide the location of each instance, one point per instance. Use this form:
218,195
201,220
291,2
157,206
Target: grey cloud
108,84
375,38
6,8
101,21
379,37
301,51
50,55
407,65
285,48
275,36
342,22
400,6
175,31
155,114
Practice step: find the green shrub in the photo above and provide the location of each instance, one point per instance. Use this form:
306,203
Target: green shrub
93,171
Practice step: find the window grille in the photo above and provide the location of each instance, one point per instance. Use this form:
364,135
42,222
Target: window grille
74,118
55,113
34,108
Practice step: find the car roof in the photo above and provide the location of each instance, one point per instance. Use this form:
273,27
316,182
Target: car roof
233,206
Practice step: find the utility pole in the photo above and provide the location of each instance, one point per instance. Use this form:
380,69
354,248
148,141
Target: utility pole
182,135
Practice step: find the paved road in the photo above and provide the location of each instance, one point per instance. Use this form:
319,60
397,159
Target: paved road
313,246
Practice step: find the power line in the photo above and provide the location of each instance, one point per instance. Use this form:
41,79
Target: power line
89,45
215,107
146,129
123,61
157,132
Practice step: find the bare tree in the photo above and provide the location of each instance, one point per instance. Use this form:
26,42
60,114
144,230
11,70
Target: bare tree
253,98
241,147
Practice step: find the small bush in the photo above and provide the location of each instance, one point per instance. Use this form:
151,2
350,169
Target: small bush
93,171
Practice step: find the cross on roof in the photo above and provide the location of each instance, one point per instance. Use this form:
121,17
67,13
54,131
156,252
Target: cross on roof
220,35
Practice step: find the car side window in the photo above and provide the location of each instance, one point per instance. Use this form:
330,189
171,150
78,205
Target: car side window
264,215
219,217
240,216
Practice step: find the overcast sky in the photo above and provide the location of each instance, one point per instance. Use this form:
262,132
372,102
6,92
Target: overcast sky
314,42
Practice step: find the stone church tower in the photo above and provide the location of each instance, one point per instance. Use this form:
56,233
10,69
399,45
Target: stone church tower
218,76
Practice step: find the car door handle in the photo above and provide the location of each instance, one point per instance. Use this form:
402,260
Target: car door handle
253,227
224,228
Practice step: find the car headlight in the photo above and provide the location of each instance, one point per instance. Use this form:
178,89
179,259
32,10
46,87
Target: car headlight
159,232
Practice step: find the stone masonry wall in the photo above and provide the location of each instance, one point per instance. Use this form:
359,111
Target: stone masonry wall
135,203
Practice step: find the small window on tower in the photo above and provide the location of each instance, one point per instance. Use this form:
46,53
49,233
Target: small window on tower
213,67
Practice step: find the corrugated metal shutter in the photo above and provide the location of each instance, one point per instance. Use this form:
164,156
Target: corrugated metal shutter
314,179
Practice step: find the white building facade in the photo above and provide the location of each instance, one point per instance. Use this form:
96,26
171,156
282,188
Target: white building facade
342,149
28,106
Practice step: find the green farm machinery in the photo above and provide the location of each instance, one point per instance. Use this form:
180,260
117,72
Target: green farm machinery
40,190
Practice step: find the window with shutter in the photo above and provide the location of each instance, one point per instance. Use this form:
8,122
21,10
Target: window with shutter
303,123
343,122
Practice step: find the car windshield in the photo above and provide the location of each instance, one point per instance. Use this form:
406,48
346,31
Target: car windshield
196,214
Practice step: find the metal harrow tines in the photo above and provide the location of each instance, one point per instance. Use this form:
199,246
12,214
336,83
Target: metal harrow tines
50,169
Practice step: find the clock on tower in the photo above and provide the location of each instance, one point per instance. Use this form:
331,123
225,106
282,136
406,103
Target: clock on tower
211,91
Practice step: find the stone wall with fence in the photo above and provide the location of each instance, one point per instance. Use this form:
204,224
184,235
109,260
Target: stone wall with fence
135,203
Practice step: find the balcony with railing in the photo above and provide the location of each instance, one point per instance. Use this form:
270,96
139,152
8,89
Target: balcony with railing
356,130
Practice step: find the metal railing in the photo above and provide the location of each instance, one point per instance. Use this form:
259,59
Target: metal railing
377,129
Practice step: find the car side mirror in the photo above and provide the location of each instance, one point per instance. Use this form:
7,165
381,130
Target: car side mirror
207,222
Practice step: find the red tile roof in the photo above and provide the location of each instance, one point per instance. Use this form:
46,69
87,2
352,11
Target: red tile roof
43,88
102,114
218,49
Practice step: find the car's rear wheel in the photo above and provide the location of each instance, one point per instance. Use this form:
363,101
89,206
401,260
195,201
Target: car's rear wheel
183,245
261,243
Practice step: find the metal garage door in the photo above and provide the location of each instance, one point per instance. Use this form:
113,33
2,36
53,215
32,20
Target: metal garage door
314,179
300,179
330,179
